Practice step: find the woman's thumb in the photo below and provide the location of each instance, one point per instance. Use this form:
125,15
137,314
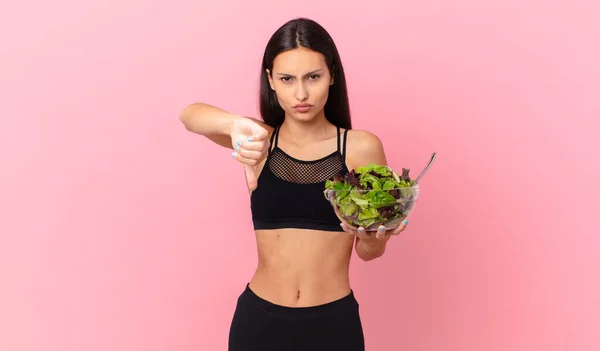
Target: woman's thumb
251,179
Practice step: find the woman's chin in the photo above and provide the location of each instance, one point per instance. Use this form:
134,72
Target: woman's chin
302,116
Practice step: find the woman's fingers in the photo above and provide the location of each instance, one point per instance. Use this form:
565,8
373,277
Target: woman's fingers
380,234
249,153
348,229
252,145
359,232
258,155
246,160
401,227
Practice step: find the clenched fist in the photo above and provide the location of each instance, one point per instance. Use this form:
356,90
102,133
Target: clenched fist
251,145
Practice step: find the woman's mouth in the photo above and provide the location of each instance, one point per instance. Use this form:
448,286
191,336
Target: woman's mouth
303,107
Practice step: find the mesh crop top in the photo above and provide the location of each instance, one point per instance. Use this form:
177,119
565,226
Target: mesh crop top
290,191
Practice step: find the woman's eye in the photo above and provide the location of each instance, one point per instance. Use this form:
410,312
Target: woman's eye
289,79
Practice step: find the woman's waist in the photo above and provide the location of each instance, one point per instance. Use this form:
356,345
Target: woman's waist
341,304
302,267
303,263
300,247
294,289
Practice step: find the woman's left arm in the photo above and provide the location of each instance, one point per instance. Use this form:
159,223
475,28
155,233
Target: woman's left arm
364,148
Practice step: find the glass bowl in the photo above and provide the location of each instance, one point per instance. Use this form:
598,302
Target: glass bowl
372,208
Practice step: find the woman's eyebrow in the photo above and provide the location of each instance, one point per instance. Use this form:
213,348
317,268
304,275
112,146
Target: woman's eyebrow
307,74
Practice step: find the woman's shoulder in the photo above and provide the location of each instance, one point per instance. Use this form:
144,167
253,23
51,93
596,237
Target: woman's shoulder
363,147
362,136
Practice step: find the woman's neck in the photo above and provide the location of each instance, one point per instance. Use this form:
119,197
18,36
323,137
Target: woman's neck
299,132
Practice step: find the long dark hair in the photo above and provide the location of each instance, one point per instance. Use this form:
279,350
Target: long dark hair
303,32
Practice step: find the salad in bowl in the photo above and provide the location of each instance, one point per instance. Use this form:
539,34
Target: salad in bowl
371,196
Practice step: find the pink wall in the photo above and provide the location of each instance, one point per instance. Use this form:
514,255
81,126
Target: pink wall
117,233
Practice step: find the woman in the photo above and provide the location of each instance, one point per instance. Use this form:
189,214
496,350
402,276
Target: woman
299,297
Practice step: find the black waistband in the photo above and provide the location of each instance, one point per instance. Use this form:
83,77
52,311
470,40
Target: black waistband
334,307
299,223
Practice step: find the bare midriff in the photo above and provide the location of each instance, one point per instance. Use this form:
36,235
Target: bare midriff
302,268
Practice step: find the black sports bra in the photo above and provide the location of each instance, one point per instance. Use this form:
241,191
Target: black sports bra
290,191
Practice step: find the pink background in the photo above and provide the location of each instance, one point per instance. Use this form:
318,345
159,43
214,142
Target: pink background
117,229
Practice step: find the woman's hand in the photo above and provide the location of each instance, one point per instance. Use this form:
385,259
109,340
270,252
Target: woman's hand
380,234
371,245
251,144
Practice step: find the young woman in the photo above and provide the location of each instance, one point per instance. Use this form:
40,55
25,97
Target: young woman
299,297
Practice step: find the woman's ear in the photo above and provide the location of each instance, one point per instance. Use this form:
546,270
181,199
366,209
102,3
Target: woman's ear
270,79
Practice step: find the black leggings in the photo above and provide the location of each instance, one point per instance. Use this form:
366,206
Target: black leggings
259,325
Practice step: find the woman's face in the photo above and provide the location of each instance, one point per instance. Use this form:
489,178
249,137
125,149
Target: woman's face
301,82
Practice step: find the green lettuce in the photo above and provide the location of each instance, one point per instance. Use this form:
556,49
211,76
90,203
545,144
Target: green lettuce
371,195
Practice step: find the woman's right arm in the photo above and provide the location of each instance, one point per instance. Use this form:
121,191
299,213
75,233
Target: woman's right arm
249,137
209,121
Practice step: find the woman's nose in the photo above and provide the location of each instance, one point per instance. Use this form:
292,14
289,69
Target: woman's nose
301,92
